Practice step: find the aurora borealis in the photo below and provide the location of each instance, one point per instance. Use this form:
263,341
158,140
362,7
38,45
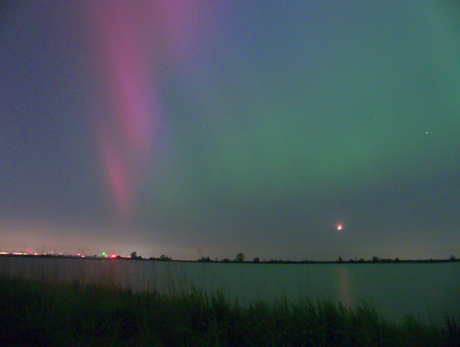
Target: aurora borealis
207,128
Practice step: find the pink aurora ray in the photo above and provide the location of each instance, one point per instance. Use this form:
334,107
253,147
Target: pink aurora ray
134,40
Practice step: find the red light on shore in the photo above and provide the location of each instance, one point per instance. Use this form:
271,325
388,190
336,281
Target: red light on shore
113,256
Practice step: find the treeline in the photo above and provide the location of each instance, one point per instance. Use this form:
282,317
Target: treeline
351,261
240,259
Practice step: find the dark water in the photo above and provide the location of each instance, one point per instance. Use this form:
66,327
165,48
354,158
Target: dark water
426,290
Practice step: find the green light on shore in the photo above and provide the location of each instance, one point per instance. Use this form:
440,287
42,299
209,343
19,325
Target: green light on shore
103,254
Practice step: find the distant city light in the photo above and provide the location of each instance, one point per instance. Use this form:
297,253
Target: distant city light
339,227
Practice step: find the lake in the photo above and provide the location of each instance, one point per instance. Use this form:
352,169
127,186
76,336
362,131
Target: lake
424,290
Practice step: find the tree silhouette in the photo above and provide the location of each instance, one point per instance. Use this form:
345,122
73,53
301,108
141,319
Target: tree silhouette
240,257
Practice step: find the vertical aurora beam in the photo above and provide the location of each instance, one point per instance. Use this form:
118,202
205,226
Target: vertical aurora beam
134,40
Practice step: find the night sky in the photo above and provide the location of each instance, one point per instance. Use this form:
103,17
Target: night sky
198,128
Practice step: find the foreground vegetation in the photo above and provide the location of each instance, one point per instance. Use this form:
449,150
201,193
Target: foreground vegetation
39,313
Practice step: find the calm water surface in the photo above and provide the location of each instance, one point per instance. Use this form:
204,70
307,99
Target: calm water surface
426,290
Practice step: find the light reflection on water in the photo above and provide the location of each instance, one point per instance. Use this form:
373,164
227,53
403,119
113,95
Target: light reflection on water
426,291
345,292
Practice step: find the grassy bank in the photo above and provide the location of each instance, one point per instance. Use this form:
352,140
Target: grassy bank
39,313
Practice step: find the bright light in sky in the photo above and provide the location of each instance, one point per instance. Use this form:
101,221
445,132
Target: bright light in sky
339,227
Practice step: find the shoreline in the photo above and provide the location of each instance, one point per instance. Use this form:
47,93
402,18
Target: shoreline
227,261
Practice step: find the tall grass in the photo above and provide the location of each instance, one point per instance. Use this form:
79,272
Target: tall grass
39,311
